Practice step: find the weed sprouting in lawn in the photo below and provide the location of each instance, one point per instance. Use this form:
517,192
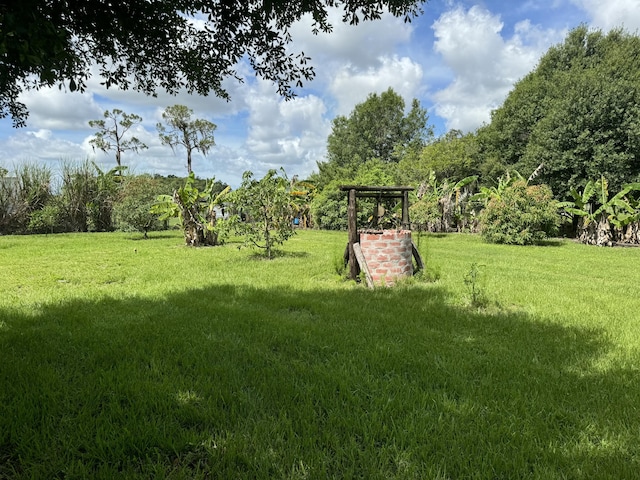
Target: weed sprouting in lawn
472,280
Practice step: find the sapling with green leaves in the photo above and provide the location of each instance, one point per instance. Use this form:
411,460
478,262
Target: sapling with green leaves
266,205
472,280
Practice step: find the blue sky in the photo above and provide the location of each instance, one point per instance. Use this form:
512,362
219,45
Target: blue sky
459,59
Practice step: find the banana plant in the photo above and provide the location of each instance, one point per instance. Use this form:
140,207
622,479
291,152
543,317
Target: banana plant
487,193
440,204
195,211
597,213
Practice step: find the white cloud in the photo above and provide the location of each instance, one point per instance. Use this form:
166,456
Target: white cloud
358,46
40,146
612,13
351,86
133,101
284,133
484,64
55,109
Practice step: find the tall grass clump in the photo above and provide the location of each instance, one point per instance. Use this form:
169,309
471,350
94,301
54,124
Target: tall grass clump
22,194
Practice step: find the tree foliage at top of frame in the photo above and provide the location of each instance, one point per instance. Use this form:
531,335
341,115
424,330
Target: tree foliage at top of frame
161,45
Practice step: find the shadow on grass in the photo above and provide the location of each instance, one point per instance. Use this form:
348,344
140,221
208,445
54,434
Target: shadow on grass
136,236
232,382
261,255
552,242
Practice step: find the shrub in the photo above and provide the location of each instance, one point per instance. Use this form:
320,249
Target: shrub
132,210
329,208
520,215
45,220
24,194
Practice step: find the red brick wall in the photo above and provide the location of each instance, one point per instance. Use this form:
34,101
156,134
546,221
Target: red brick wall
388,254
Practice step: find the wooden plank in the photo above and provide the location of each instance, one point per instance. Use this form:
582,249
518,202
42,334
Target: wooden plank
378,195
363,264
417,256
367,188
353,234
405,211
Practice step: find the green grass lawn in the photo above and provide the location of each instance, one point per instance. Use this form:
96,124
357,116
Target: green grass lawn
125,358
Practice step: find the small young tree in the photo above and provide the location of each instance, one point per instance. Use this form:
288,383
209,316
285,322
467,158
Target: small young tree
111,133
181,130
45,220
132,209
266,205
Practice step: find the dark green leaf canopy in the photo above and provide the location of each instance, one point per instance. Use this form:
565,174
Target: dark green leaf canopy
377,128
578,113
155,45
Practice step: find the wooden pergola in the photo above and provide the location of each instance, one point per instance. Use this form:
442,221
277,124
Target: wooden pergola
378,193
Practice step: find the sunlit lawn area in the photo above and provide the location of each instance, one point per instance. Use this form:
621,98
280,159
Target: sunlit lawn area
126,358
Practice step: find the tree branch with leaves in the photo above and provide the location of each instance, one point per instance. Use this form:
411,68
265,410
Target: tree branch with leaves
157,46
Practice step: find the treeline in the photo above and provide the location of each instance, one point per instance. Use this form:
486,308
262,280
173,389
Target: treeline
82,197
561,154
570,125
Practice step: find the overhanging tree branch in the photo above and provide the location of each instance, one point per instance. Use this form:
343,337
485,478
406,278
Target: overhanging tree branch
155,45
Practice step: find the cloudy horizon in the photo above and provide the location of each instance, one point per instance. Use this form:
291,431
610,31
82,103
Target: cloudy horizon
459,59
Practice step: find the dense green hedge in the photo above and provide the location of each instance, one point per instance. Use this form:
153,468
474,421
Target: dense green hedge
520,215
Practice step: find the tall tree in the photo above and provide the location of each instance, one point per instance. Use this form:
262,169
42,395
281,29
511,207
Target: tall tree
378,128
111,133
182,130
157,45
578,113
453,156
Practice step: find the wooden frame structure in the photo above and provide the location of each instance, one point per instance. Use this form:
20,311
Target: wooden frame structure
378,193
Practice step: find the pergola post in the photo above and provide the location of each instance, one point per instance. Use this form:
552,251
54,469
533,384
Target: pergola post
406,224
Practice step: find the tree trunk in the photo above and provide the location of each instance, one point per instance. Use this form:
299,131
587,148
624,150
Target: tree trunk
193,230
632,235
211,237
604,236
587,233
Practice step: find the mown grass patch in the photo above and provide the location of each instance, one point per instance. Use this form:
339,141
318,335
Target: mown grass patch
147,359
